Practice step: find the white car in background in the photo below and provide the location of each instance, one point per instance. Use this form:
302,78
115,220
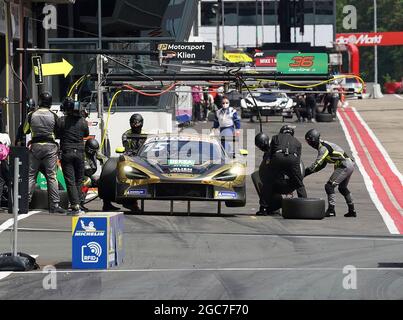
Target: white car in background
269,104
351,87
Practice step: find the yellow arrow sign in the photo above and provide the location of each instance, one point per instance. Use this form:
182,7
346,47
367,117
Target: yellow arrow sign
51,69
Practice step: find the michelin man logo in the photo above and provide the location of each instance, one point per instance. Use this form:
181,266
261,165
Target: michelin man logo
90,227
91,252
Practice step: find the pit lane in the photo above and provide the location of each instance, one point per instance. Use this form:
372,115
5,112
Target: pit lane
235,255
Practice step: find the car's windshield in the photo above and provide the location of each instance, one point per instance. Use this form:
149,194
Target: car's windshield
196,152
269,95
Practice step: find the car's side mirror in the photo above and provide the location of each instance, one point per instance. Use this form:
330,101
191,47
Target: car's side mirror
120,150
243,152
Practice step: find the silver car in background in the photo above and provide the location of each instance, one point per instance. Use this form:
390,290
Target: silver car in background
269,104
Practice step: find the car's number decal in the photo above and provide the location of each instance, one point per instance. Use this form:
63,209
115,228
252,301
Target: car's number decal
159,146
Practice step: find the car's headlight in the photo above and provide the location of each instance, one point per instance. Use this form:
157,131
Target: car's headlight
133,173
230,174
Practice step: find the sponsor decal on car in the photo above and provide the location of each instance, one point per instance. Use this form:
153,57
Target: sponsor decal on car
181,170
181,163
225,195
136,192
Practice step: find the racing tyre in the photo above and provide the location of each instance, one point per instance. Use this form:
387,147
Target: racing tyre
40,199
107,180
324,117
303,208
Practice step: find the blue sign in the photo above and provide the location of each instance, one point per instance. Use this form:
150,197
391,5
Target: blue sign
90,243
226,194
137,192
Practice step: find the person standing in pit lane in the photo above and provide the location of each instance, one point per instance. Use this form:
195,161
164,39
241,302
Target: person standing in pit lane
72,129
262,141
5,144
285,158
228,122
42,124
329,152
132,146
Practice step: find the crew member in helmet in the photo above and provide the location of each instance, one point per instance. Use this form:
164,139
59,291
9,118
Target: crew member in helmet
329,152
30,106
262,141
91,156
285,159
72,129
42,125
131,144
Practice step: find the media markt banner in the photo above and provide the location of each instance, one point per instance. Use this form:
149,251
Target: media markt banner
303,63
97,241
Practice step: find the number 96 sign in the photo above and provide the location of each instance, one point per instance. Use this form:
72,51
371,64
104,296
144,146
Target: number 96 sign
302,63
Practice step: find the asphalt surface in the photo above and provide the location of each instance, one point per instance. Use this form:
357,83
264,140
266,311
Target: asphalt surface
235,255
389,129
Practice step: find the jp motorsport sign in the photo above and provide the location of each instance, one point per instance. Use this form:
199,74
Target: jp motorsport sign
303,63
371,39
202,51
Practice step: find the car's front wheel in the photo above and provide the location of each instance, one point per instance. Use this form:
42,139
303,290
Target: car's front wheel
107,180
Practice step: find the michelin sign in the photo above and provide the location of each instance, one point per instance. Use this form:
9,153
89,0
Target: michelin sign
181,51
97,241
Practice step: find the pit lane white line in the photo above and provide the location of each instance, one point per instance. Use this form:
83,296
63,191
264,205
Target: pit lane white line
7,224
340,269
397,96
322,237
4,274
10,222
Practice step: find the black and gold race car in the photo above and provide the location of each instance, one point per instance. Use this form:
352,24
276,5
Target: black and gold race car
175,167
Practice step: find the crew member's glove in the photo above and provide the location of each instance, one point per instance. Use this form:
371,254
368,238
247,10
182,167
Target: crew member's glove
308,171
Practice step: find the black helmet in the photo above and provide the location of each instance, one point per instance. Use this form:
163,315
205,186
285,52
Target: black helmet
45,99
287,129
312,137
68,104
136,120
262,141
91,146
31,104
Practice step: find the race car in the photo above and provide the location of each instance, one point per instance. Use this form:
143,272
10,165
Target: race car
269,104
175,167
